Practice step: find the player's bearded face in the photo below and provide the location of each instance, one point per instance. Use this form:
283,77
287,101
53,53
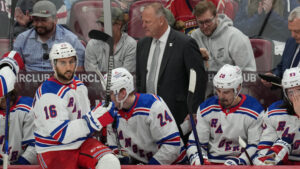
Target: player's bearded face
65,69
226,97
43,26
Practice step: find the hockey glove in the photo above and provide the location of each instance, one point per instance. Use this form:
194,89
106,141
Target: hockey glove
11,63
278,153
100,116
122,155
194,159
235,161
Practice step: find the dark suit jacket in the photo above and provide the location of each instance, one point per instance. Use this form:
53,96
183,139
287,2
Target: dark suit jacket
287,57
180,55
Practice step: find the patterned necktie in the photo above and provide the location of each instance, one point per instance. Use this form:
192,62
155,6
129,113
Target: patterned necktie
153,69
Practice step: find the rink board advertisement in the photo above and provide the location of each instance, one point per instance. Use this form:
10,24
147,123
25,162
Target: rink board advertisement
27,83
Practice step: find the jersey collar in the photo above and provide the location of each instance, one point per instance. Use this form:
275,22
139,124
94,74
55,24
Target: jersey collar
127,114
233,109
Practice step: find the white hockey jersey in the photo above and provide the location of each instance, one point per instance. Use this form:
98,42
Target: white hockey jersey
219,129
58,109
148,132
21,140
277,123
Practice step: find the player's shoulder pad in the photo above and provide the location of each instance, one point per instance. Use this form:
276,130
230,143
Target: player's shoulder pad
78,82
24,103
253,104
147,100
51,86
209,105
275,109
213,100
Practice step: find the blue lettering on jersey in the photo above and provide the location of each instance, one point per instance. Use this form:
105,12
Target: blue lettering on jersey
296,144
219,129
134,148
74,109
286,134
71,102
120,135
228,145
14,156
281,125
213,123
1,139
127,142
236,148
222,142
141,152
164,118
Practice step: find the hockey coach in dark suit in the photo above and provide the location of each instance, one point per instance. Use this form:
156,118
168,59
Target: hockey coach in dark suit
164,59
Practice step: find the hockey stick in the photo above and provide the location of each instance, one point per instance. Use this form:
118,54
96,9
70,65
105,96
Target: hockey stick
6,155
192,86
101,78
262,28
11,23
244,145
99,35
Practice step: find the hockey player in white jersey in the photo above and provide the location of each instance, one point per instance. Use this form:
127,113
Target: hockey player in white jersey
280,140
21,140
146,129
223,118
64,122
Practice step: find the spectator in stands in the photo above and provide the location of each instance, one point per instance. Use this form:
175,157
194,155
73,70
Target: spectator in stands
22,16
34,44
97,51
222,119
164,59
279,142
252,14
291,54
183,13
21,144
145,128
4,18
219,41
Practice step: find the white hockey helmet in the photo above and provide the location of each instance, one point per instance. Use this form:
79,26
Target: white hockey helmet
62,50
291,78
228,77
120,79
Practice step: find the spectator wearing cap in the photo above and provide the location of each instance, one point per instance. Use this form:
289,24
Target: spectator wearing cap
35,43
22,16
97,51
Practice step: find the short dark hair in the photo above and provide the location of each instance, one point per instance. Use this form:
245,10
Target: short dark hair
203,6
13,96
288,106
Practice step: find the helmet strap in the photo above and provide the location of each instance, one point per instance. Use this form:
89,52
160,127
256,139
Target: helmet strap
121,102
287,98
237,93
